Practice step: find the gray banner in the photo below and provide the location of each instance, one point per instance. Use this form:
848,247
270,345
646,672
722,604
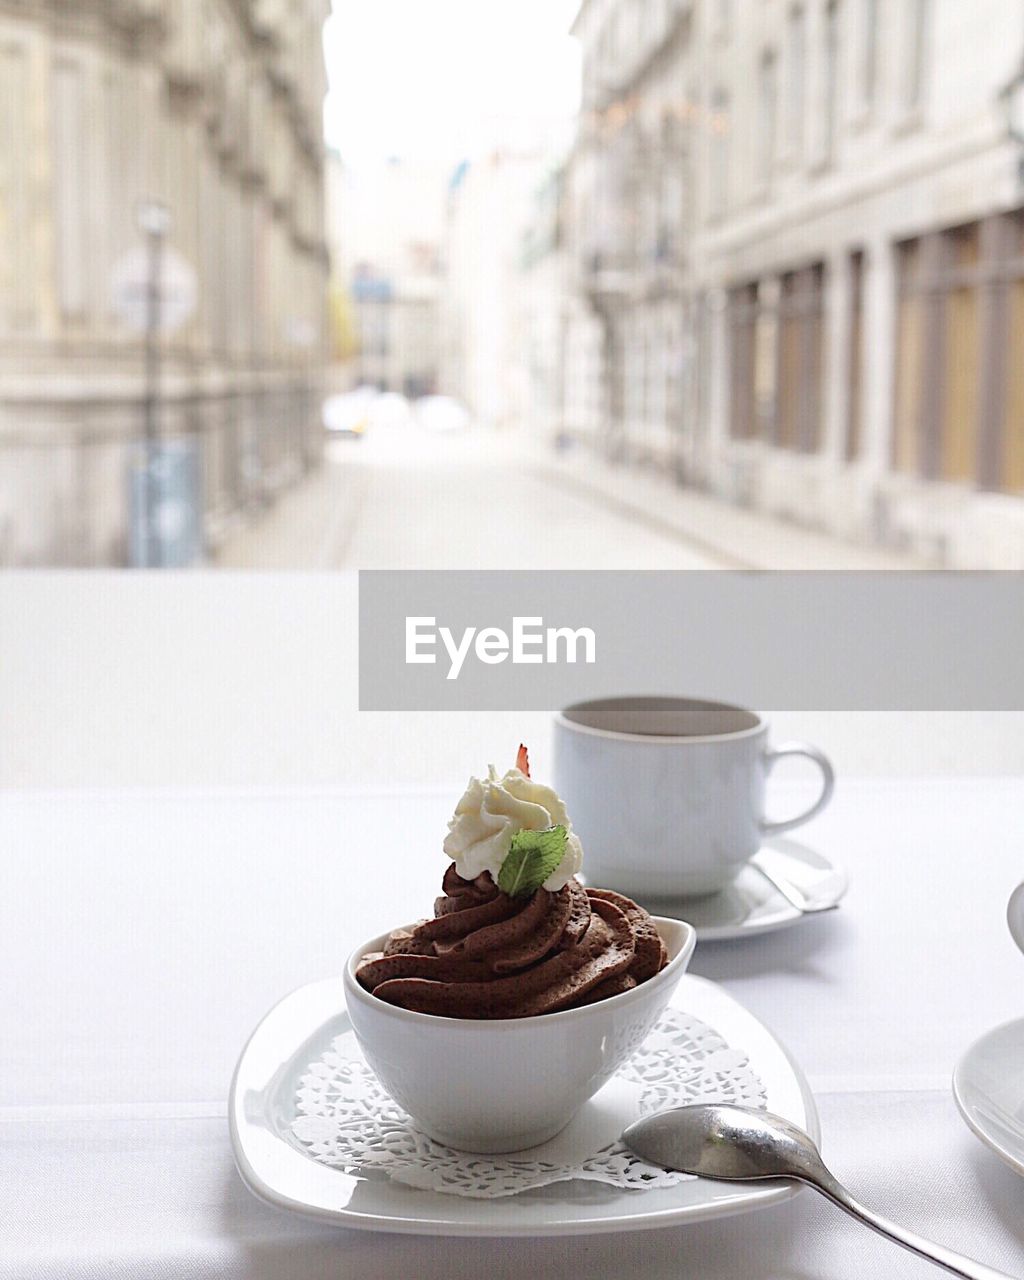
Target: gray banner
488,641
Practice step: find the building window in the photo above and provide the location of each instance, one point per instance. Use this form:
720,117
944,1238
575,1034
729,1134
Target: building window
742,317
17,259
941,369
633,369
766,359
797,81
855,359
918,17
910,355
720,132
70,178
831,122
768,114
801,359
671,200
1008,471
868,69
658,372
114,181
960,294
704,344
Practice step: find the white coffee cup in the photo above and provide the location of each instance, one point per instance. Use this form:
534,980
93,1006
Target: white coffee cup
667,794
1015,915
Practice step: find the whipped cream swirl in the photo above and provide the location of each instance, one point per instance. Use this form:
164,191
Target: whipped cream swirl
490,813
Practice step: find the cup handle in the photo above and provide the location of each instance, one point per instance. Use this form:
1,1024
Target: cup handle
828,782
1015,915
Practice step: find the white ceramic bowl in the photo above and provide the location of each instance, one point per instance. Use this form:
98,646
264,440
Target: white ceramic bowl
509,1083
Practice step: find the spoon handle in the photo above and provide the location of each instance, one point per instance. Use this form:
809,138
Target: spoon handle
956,1263
794,896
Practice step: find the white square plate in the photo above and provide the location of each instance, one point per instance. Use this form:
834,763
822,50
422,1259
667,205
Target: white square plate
279,1169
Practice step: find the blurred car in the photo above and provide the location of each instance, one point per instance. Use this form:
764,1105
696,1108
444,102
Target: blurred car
390,409
347,415
442,413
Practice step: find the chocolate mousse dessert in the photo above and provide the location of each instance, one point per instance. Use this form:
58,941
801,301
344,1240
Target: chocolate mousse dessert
514,933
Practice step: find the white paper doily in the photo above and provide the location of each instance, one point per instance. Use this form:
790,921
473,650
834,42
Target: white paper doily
346,1120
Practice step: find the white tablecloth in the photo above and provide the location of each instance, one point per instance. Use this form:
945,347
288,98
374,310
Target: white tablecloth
143,934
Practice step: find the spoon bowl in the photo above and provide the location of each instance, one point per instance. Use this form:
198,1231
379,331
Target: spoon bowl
733,1144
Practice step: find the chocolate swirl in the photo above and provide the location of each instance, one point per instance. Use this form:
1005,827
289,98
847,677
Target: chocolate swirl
486,955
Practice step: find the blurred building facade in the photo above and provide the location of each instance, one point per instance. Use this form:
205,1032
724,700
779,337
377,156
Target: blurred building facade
397,320
489,301
213,108
342,337
798,230
629,184
389,217
546,304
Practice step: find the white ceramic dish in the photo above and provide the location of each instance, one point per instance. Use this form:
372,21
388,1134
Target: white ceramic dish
506,1084
279,1169
988,1085
668,794
751,905
1015,916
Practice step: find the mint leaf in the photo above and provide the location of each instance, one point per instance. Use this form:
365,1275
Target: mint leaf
532,857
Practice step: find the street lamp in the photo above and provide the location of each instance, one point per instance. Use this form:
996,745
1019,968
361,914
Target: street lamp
154,221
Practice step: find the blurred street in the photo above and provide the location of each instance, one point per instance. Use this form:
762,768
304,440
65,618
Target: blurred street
491,499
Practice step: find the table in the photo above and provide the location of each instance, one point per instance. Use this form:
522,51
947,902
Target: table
142,934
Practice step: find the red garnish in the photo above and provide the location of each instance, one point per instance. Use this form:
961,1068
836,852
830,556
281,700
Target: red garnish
523,760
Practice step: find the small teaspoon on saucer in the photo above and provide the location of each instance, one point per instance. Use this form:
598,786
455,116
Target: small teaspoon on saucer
762,863
737,1144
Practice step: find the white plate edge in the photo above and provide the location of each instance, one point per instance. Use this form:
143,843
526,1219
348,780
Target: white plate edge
981,1134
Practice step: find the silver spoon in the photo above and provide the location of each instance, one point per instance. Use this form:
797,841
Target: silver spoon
740,1145
794,896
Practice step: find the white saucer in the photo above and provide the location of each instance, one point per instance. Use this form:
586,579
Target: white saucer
276,1166
751,905
988,1085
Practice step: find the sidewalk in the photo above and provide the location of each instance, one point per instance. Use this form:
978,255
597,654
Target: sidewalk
735,537
307,527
